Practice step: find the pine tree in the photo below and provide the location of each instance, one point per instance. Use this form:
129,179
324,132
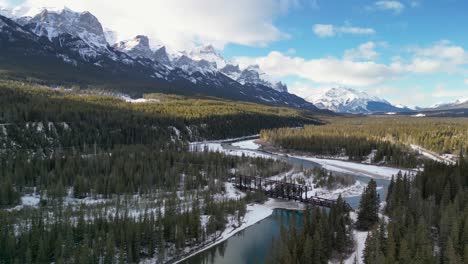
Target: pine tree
368,207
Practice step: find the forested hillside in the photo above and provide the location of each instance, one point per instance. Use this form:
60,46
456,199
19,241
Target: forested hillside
37,117
390,137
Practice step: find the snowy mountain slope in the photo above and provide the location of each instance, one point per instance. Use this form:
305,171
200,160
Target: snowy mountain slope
136,47
455,103
71,47
208,53
83,25
348,100
253,75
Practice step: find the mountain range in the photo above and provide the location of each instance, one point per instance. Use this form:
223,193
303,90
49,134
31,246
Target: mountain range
459,103
348,100
71,48
63,47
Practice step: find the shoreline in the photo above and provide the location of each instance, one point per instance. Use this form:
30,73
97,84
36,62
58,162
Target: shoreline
255,214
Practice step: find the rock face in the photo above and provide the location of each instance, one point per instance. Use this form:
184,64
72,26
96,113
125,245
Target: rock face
76,45
136,47
253,75
161,55
347,100
83,25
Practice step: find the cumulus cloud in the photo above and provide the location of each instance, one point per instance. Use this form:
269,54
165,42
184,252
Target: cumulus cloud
394,6
443,56
324,70
365,51
185,23
327,30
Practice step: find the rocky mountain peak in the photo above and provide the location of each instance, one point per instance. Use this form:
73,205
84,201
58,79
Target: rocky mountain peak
136,47
208,53
349,100
83,25
161,55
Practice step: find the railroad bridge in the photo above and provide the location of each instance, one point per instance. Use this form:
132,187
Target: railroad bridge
283,190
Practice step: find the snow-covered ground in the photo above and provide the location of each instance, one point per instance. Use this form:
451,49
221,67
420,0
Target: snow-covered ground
128,99
353,190
231,193
447,159
373,171
247,144
29,200
360,243
217,147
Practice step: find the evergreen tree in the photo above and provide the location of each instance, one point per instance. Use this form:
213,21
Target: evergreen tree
368,207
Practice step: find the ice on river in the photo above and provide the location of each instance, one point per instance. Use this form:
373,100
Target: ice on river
217,147
372,171
247,144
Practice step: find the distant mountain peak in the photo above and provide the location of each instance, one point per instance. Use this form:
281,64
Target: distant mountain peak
137,47
349,100
208,53
450,103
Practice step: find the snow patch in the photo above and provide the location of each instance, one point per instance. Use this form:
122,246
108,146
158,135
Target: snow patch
247,144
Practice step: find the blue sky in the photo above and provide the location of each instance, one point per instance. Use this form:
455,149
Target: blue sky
407,51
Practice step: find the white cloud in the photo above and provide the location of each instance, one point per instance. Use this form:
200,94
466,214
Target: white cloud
323,30
327,30
465,81
184,23
441,57
442,91
365,51
325,70
394,6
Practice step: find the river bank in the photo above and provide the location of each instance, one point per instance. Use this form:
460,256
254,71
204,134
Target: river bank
255,213
258,212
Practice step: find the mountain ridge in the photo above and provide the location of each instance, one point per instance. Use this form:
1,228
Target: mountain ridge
351,101
80,58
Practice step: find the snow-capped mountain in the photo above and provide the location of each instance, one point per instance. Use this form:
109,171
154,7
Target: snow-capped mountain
203,59
73,47
162,56
454,103
190,65
136,47
208,53
253,75
83,25
348,100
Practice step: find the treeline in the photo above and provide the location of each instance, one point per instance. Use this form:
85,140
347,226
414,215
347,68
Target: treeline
96,236
135,169
177,190
445,135
324,235
428,218
318,140
73,118
389,136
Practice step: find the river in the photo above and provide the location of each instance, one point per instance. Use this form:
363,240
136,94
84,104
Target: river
253,244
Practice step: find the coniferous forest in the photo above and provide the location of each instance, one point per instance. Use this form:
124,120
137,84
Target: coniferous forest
86,177
90,178
233,132
427,218
386,140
